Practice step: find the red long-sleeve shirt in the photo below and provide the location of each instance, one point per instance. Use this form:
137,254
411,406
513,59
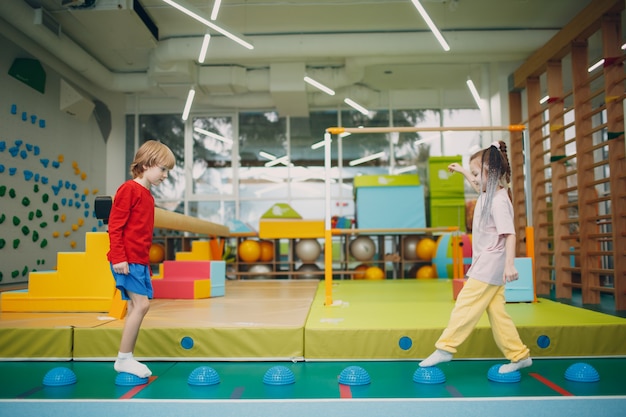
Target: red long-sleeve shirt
131,224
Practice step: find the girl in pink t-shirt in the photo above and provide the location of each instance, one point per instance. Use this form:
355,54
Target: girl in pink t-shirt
493,256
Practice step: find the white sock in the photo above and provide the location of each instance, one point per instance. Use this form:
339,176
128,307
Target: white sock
124,355
515,366
131,366
436,357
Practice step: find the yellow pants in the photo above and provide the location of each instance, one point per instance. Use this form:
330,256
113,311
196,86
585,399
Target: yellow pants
475,298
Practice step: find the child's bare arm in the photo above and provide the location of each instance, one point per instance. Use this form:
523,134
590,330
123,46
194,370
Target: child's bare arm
455,167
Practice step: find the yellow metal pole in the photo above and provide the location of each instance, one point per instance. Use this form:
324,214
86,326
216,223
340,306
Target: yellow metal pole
530,252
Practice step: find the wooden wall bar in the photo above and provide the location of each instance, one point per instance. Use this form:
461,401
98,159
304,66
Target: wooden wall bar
577,159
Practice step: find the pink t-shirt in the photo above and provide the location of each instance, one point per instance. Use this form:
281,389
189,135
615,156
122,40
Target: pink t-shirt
488,239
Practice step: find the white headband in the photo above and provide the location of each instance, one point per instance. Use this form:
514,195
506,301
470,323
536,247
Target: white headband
496,144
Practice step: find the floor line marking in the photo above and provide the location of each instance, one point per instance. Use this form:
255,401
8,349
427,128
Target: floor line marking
551,384
237,393
453,391
137,389
345,391
30,392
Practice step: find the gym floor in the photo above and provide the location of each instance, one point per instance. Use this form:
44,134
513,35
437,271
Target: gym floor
242,391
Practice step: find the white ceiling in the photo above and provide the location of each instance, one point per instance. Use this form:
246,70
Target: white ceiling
368,50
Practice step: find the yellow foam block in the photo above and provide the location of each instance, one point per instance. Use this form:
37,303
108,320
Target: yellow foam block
202,288
290,229
82,282
200,251
118,306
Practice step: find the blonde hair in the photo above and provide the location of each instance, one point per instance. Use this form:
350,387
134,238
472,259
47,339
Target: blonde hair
151,153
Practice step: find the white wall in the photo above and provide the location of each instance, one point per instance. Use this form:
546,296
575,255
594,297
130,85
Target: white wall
35,193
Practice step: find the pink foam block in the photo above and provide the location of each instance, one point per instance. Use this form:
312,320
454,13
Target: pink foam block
175,270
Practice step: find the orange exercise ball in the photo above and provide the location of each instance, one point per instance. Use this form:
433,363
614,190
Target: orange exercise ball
374,272
157,253
360,271
267,251
426,248
426,271
249,250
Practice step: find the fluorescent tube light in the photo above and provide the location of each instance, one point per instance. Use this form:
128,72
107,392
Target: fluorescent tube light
196,14
356,106
431,25
596,65
472,88
544,99
406,169
204,47
282,160
267,155
216,9
319,86
366,159
190,96
212,135
318,145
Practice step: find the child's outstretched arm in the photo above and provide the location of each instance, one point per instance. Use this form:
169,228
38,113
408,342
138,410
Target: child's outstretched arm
510,272
455,167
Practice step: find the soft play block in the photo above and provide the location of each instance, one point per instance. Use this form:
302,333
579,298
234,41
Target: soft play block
290,229
521,290
173,270
390,207
190,280
189,289
457,286
218,278
200,251
81,283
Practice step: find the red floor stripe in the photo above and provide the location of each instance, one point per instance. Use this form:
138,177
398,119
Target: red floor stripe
551,384
137,389
345,391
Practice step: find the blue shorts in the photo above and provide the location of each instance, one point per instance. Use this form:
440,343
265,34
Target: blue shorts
138,281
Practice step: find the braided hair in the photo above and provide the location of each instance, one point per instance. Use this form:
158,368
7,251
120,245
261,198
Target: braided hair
496,173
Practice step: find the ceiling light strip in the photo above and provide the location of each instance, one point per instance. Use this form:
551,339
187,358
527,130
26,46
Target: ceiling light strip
216,9
195,15
213,135
356,106
366,159
474,91
204,48
431,25
319,86
188,103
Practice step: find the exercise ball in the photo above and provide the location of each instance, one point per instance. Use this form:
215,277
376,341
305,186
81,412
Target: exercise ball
409,246
259,271
308,250
311,268
267,251
443,261
426,271
249,250
362,248
374,272
157,253
425,249
360,271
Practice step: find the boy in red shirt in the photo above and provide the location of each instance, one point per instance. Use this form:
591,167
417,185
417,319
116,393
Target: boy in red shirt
131,224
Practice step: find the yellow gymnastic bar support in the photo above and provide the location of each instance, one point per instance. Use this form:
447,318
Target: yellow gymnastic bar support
530,253
339,130
165,219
